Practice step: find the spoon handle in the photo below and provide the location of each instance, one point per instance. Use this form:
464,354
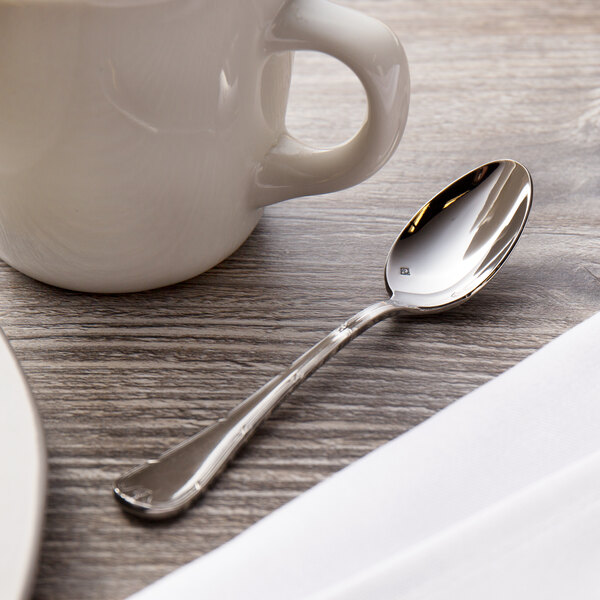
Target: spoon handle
166,486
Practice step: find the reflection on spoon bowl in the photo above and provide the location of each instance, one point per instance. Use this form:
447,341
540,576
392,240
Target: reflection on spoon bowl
453,246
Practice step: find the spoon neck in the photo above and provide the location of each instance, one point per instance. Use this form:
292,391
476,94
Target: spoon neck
369,316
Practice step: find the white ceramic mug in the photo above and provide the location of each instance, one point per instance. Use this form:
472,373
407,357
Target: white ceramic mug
140,139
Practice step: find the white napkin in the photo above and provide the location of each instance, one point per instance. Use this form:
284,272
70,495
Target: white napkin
495,496
542,542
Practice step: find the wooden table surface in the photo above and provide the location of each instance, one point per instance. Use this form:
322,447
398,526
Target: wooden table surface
120,378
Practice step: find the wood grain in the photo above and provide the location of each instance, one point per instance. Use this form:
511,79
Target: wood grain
119,378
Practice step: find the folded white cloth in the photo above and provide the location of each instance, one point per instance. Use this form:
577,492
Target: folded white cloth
497,496
540,543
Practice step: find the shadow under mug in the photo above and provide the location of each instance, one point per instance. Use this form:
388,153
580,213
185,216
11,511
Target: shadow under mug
140,139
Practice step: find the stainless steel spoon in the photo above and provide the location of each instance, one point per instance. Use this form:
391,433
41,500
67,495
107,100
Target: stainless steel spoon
448,251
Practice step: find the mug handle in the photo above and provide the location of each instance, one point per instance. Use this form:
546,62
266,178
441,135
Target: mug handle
374,53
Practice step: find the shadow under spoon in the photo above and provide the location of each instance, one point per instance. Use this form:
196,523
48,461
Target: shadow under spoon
447,252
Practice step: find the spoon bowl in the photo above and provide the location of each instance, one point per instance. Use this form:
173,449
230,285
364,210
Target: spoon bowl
457,241
448,251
